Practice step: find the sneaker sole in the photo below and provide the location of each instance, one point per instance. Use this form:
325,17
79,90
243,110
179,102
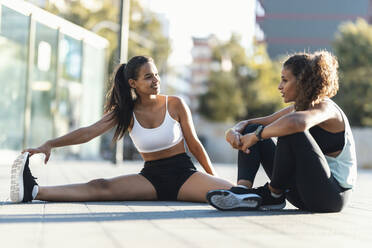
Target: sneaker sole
16,179
273,207
227,201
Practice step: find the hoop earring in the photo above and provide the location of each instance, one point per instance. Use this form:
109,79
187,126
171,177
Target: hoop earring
133,93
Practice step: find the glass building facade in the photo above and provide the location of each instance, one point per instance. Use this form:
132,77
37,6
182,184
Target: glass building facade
52,75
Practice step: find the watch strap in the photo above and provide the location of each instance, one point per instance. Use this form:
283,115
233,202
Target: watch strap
258,132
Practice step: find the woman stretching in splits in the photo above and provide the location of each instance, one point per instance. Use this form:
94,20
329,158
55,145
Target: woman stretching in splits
158,126
313,165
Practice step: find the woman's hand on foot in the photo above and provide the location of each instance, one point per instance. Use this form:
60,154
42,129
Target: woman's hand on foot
44,148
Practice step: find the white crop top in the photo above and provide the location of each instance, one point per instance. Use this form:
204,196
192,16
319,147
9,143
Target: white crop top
168,134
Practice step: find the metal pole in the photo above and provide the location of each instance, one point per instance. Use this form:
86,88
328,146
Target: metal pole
123,56
58,68
28,89
124,30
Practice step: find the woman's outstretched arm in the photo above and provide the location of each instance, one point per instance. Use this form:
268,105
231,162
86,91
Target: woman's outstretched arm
191,138
78,136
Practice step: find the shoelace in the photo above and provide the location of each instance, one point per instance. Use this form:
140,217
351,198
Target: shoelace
262,190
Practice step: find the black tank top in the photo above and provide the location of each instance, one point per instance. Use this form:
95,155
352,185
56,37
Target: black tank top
327,141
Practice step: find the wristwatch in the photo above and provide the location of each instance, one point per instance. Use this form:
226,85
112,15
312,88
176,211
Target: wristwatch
258,132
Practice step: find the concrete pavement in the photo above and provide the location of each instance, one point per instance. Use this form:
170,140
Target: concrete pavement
171,224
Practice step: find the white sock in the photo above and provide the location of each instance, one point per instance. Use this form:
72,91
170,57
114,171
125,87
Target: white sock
35,190
275,195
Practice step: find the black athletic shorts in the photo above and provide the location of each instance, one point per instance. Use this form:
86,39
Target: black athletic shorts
168,175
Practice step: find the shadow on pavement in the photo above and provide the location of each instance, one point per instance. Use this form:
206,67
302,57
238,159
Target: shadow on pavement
137,215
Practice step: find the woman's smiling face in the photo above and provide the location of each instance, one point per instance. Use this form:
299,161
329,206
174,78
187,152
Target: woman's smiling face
148,81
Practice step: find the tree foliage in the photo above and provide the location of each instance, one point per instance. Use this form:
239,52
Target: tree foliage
248,90
263,87
353,47
148,26
222,102
144,23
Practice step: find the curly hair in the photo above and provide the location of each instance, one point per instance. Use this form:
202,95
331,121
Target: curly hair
316,76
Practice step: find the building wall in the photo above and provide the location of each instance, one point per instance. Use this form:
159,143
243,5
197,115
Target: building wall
200,68
301,25
363,146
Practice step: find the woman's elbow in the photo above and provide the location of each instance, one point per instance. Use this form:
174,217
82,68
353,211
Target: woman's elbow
195,147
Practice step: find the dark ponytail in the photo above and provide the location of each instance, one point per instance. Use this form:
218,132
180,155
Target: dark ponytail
119,98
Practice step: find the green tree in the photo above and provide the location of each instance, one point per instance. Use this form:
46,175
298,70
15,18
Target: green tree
263,84
353,47
252,83
222,102
148,26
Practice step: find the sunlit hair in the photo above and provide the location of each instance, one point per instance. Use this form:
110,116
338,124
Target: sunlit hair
119,98
316,76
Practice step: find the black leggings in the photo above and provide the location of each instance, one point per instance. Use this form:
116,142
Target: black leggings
298,166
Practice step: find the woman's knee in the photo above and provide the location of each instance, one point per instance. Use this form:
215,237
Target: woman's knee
250,128
99,185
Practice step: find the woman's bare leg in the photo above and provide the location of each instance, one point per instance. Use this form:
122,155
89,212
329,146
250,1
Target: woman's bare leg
197,186
128,187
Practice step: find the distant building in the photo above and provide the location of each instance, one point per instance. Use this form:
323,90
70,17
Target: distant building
301,25
201,66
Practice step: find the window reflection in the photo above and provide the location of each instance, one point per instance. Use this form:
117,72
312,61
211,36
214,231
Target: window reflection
70,89
71,51
13,62
43,83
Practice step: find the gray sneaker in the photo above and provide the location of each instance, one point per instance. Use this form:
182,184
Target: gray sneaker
237,198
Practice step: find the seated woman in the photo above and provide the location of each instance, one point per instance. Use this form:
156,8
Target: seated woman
313,165
158,125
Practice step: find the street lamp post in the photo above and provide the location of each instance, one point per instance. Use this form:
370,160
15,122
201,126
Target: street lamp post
123,55
124,30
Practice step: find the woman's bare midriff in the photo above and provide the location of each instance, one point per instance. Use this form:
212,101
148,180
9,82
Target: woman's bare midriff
174,150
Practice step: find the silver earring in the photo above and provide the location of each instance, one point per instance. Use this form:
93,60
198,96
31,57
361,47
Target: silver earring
133,93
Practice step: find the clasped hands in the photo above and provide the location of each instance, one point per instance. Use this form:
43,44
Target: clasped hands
239,141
